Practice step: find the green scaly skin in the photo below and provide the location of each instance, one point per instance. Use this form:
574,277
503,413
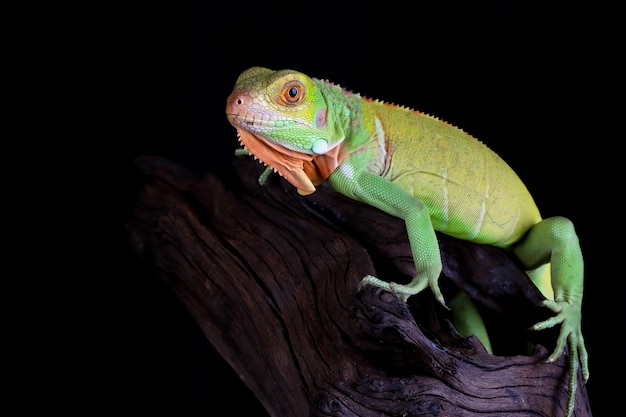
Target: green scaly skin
423,170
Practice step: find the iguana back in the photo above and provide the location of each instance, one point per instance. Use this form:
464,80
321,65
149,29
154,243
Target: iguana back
470,191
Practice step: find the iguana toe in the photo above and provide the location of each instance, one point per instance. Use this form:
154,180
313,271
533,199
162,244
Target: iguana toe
568,315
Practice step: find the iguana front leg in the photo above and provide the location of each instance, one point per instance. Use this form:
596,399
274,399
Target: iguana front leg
554,240
378,192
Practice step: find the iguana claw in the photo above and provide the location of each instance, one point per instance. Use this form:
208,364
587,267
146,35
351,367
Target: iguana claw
405,291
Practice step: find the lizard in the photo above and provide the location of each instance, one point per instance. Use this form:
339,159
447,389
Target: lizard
426,171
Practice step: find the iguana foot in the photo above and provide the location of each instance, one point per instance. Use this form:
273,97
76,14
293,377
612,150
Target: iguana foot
242,152
266,172
569,315
405,291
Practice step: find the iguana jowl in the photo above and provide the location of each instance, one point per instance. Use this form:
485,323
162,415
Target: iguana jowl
421,169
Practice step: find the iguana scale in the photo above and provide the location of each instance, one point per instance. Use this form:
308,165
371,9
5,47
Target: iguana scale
417,167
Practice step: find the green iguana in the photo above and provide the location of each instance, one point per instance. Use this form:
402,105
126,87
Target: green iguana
418,168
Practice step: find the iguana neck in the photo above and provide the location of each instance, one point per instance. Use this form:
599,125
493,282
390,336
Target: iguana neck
321,166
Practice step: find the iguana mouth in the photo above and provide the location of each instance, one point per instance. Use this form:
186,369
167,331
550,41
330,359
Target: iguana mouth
259,120
256,122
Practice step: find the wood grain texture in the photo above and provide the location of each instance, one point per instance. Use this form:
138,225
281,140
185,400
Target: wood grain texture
272,280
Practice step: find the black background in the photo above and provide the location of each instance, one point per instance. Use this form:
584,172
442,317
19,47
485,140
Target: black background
526,79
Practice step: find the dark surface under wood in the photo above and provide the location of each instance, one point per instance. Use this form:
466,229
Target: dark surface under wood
272,279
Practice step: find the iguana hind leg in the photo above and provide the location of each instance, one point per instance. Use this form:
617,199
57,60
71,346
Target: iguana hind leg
554,241
467,319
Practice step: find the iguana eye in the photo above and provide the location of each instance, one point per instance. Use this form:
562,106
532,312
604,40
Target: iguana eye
292,93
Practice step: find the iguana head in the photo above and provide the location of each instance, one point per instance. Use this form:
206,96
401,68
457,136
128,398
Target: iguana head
283,119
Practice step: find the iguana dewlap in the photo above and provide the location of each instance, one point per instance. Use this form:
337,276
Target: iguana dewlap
421,169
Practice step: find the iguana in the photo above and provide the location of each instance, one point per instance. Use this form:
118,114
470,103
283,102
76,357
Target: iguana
419,168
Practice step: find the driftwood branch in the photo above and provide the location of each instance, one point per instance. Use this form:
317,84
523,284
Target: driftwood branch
272,279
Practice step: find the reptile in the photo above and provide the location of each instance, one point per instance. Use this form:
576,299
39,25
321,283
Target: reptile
430,173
